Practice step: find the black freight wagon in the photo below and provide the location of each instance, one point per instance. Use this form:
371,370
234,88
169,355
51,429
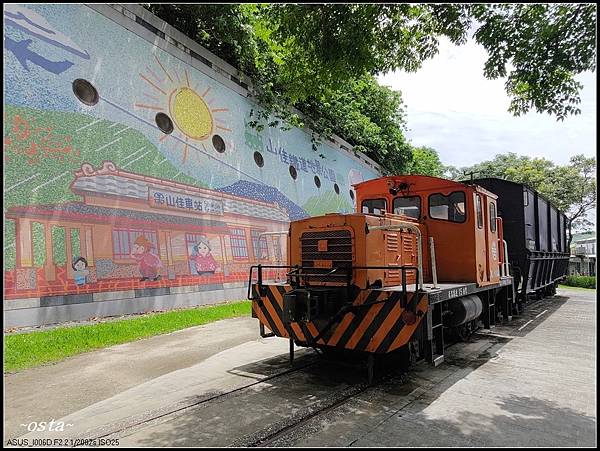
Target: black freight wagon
535,234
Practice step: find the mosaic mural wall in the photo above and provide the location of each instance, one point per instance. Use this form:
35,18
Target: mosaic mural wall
125,167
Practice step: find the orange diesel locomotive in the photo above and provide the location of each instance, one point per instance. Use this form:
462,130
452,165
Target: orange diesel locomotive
422,254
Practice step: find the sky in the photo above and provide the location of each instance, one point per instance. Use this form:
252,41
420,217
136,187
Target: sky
453,108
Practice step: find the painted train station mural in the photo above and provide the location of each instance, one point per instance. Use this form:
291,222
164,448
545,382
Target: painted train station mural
125,167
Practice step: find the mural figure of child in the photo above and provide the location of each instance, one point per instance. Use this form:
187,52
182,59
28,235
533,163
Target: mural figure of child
149,263
202,258
79,270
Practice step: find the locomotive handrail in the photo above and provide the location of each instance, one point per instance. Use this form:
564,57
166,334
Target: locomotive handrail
386,267
350,307
433,265
403,269
259,279
296,273
505,262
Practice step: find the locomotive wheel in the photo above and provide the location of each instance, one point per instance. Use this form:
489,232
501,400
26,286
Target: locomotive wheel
404,358
463,333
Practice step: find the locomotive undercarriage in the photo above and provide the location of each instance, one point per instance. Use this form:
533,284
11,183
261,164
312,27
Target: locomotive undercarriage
404,324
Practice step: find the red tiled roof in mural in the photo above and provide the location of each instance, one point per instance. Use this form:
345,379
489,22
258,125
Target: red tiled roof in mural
110,181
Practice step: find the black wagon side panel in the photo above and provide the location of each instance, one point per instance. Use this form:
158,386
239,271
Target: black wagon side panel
535,234
542,225
530,219
563,229
554,232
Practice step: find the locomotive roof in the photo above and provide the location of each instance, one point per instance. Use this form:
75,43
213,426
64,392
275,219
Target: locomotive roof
439,182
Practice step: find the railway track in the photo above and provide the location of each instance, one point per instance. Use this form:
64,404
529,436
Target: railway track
286,424
273,432
284,431
119,429
302,423
265,436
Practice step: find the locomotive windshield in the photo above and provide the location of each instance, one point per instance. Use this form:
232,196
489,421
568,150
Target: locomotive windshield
374,206
409,206
448,208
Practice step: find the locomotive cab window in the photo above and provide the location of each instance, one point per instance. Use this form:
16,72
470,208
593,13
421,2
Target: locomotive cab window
374,206
479,211
448,208
409,206
493,217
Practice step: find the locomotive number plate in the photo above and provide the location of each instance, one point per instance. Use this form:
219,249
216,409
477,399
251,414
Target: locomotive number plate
323,263
457,292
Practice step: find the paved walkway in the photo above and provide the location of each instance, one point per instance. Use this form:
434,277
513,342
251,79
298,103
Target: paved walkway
528,384
56,390
538,388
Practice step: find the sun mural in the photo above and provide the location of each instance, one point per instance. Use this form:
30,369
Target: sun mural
192,113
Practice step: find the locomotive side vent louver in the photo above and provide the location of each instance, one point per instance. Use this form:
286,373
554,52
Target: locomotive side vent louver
392,242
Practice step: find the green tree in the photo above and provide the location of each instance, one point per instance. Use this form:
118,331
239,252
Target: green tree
574,189
299,49
426,161
546,45
305,55
369,116
571,188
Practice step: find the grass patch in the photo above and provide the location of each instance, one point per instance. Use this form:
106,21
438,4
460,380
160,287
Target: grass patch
581,281
568,287
36,348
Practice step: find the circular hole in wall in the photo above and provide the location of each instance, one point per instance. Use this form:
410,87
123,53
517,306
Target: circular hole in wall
85,92
258,159
336,188
218,143
164,122
317,181
293,172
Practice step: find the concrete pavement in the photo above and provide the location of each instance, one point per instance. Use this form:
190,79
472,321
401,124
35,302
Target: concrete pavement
528,384
56,390
535,388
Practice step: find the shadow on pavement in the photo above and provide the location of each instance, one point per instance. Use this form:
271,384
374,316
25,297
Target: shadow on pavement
221,421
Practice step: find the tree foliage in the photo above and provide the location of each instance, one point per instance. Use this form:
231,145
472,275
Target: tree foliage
426,161
571,188
369,116
546,45
317,57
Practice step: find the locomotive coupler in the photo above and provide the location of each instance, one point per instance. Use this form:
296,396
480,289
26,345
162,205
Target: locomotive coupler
304,305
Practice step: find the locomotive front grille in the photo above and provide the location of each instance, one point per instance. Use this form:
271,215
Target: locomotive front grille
326,250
